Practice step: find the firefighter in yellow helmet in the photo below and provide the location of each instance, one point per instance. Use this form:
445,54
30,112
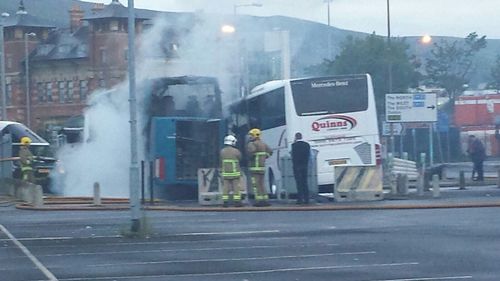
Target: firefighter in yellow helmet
258,152
26,160
230,169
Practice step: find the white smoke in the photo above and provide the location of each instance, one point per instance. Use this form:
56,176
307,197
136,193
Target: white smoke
104,155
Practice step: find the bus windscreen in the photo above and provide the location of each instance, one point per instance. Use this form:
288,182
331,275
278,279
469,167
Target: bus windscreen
330,95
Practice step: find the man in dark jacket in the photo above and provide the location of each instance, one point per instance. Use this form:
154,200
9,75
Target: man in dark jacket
301,151
477,154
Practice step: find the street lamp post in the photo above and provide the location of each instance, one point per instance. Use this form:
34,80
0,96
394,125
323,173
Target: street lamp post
27,78
228,29
328,7
236,6
135,208
389,68
2,67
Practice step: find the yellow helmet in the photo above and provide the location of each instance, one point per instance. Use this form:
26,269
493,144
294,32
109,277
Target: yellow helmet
254,133
25,141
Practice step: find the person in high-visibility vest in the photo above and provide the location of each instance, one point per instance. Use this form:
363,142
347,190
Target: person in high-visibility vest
231,172
258,152
26,160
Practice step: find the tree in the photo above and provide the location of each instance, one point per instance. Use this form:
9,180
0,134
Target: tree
495,74
372,55
452,61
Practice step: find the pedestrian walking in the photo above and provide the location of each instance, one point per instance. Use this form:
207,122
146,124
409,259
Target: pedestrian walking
477,154
301,151
230,169
26,160
258,152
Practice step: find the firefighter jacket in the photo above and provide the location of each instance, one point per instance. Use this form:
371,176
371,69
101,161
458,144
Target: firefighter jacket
26,159
258,152
230,162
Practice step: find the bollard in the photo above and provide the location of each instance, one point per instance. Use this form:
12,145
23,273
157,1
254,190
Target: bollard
402,184
435,186
97,194
420,185
461,182
37,199
427,180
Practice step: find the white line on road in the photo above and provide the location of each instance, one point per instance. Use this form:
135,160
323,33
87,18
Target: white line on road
63,238
234,259
228,240
164,251
244,272
170,235
428,278
225,233
37,263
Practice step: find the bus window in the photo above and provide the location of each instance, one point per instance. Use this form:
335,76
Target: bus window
330,95
268,111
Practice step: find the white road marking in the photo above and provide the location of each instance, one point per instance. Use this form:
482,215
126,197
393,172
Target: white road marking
234,259
37,263
167,250
428,278
170,235
244,272
159,242
225,233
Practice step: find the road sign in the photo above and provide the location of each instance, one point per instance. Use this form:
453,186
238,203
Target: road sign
397,129
411,107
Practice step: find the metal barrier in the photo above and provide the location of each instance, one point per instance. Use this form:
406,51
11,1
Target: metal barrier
287,184
404,167
25,191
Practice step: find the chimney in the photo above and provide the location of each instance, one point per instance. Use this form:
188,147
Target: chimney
75,15
97,8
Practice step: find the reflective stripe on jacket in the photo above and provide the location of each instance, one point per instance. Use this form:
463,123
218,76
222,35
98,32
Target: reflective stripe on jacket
25,159
258,152
230,162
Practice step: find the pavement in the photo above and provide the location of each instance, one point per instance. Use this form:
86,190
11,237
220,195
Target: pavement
475,194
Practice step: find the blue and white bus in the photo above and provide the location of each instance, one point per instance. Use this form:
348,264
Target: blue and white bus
336,115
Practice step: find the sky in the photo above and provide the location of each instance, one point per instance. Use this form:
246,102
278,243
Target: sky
408,17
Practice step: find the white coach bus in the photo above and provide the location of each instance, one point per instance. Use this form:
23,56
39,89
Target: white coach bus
336,115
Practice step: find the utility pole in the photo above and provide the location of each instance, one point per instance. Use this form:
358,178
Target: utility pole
389,50
2,67
27,78
134,167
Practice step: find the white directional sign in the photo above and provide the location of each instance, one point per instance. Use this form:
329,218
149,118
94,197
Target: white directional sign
411,107
397,129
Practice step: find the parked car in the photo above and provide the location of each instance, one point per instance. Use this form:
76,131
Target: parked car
43,162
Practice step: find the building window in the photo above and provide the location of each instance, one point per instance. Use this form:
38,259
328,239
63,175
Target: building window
48,91
84,90
62,92
113,25
102,83
41,92
69,96
8,96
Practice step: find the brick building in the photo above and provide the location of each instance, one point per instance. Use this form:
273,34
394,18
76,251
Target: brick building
64,64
